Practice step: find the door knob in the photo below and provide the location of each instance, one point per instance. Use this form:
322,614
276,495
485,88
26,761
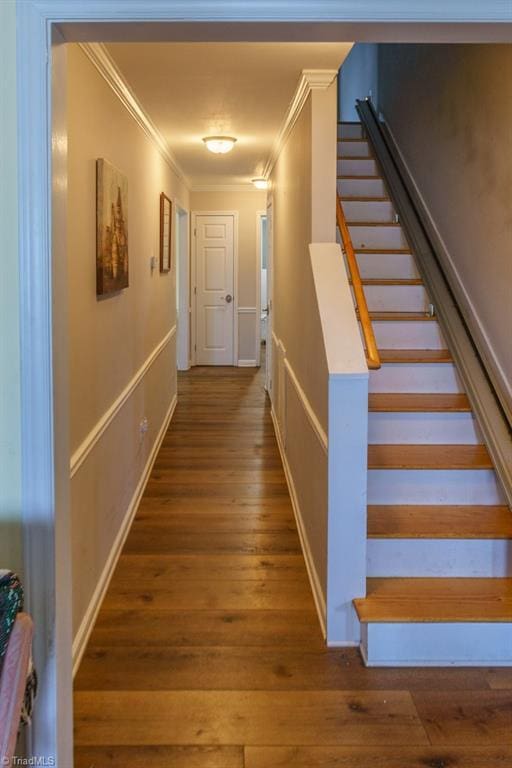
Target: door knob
229,298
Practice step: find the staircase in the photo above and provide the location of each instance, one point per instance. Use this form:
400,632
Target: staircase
439,553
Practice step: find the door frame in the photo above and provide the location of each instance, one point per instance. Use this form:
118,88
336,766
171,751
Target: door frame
270,293
183,278
259,216
193,284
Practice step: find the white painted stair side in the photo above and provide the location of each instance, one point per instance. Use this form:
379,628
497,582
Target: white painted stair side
415,334
369,210
435,378
388,266
357,187
411,644
435,428
353,148
396,298
433,486
427,558
350,130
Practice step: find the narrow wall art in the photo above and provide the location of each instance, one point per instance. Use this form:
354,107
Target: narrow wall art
165,233
111,229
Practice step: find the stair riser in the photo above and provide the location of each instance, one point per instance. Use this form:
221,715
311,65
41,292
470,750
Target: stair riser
422,486
408,335
416,377
349,167
396,298
423,428
361,188
353,148
377,237
436,558
398,266
350,131
368,210
436,644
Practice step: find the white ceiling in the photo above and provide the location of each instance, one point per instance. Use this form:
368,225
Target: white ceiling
191,90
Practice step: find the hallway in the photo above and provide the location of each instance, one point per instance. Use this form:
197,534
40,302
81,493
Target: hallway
207,651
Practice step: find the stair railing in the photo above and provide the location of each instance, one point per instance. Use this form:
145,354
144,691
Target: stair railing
372,353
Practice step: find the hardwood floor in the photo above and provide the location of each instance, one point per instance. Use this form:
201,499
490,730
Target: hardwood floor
207,651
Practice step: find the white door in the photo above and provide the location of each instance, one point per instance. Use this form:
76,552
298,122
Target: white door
270,291
214,283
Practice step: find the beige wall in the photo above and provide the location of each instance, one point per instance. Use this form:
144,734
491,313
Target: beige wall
112,338
450,109
303,202
247,204
10,408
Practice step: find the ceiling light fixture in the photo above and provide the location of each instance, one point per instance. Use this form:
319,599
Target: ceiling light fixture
219,145
260,183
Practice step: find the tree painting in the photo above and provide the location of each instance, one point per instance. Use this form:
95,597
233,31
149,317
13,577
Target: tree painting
112,229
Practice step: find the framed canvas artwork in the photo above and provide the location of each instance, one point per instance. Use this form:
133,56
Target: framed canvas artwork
111,229
165,233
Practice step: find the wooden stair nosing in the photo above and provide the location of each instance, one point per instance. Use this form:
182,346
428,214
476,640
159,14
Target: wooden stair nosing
417,402
373,224
363,199
408,317
452,521
388,281
436,600
428,456
384,251
419,356
357,176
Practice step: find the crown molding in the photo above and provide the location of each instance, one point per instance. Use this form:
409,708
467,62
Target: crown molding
311,79
104,63
224,188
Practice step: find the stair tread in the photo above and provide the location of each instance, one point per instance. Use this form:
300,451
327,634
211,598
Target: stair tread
357,176
403,316
364,199
417,402
436,600
394,521
395,224
353,157
415,356
428,456
384,251
391,281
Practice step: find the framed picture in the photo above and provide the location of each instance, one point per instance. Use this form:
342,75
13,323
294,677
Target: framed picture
111,229
165,233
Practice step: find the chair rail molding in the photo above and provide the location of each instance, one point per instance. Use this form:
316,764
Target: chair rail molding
86,446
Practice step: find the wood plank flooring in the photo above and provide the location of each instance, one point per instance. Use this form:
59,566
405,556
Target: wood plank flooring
207,651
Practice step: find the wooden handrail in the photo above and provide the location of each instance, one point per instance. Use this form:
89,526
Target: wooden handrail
372,353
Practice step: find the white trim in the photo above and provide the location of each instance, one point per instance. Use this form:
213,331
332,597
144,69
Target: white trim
89,619
102,60
182,273
308,409
247,310
224,188
259,216
195,214
314,579
247,364
311,79
86,446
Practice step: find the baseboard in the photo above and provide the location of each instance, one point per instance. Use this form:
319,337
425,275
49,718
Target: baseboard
310,566
247,364
87,623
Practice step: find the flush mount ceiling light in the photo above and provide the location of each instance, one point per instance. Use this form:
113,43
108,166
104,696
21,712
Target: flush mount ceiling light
260,183
219,145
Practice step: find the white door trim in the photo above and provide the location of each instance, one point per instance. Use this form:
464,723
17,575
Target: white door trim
183,278
195,214
259,216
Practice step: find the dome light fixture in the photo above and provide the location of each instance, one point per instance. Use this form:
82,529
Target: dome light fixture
219,145
260,183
